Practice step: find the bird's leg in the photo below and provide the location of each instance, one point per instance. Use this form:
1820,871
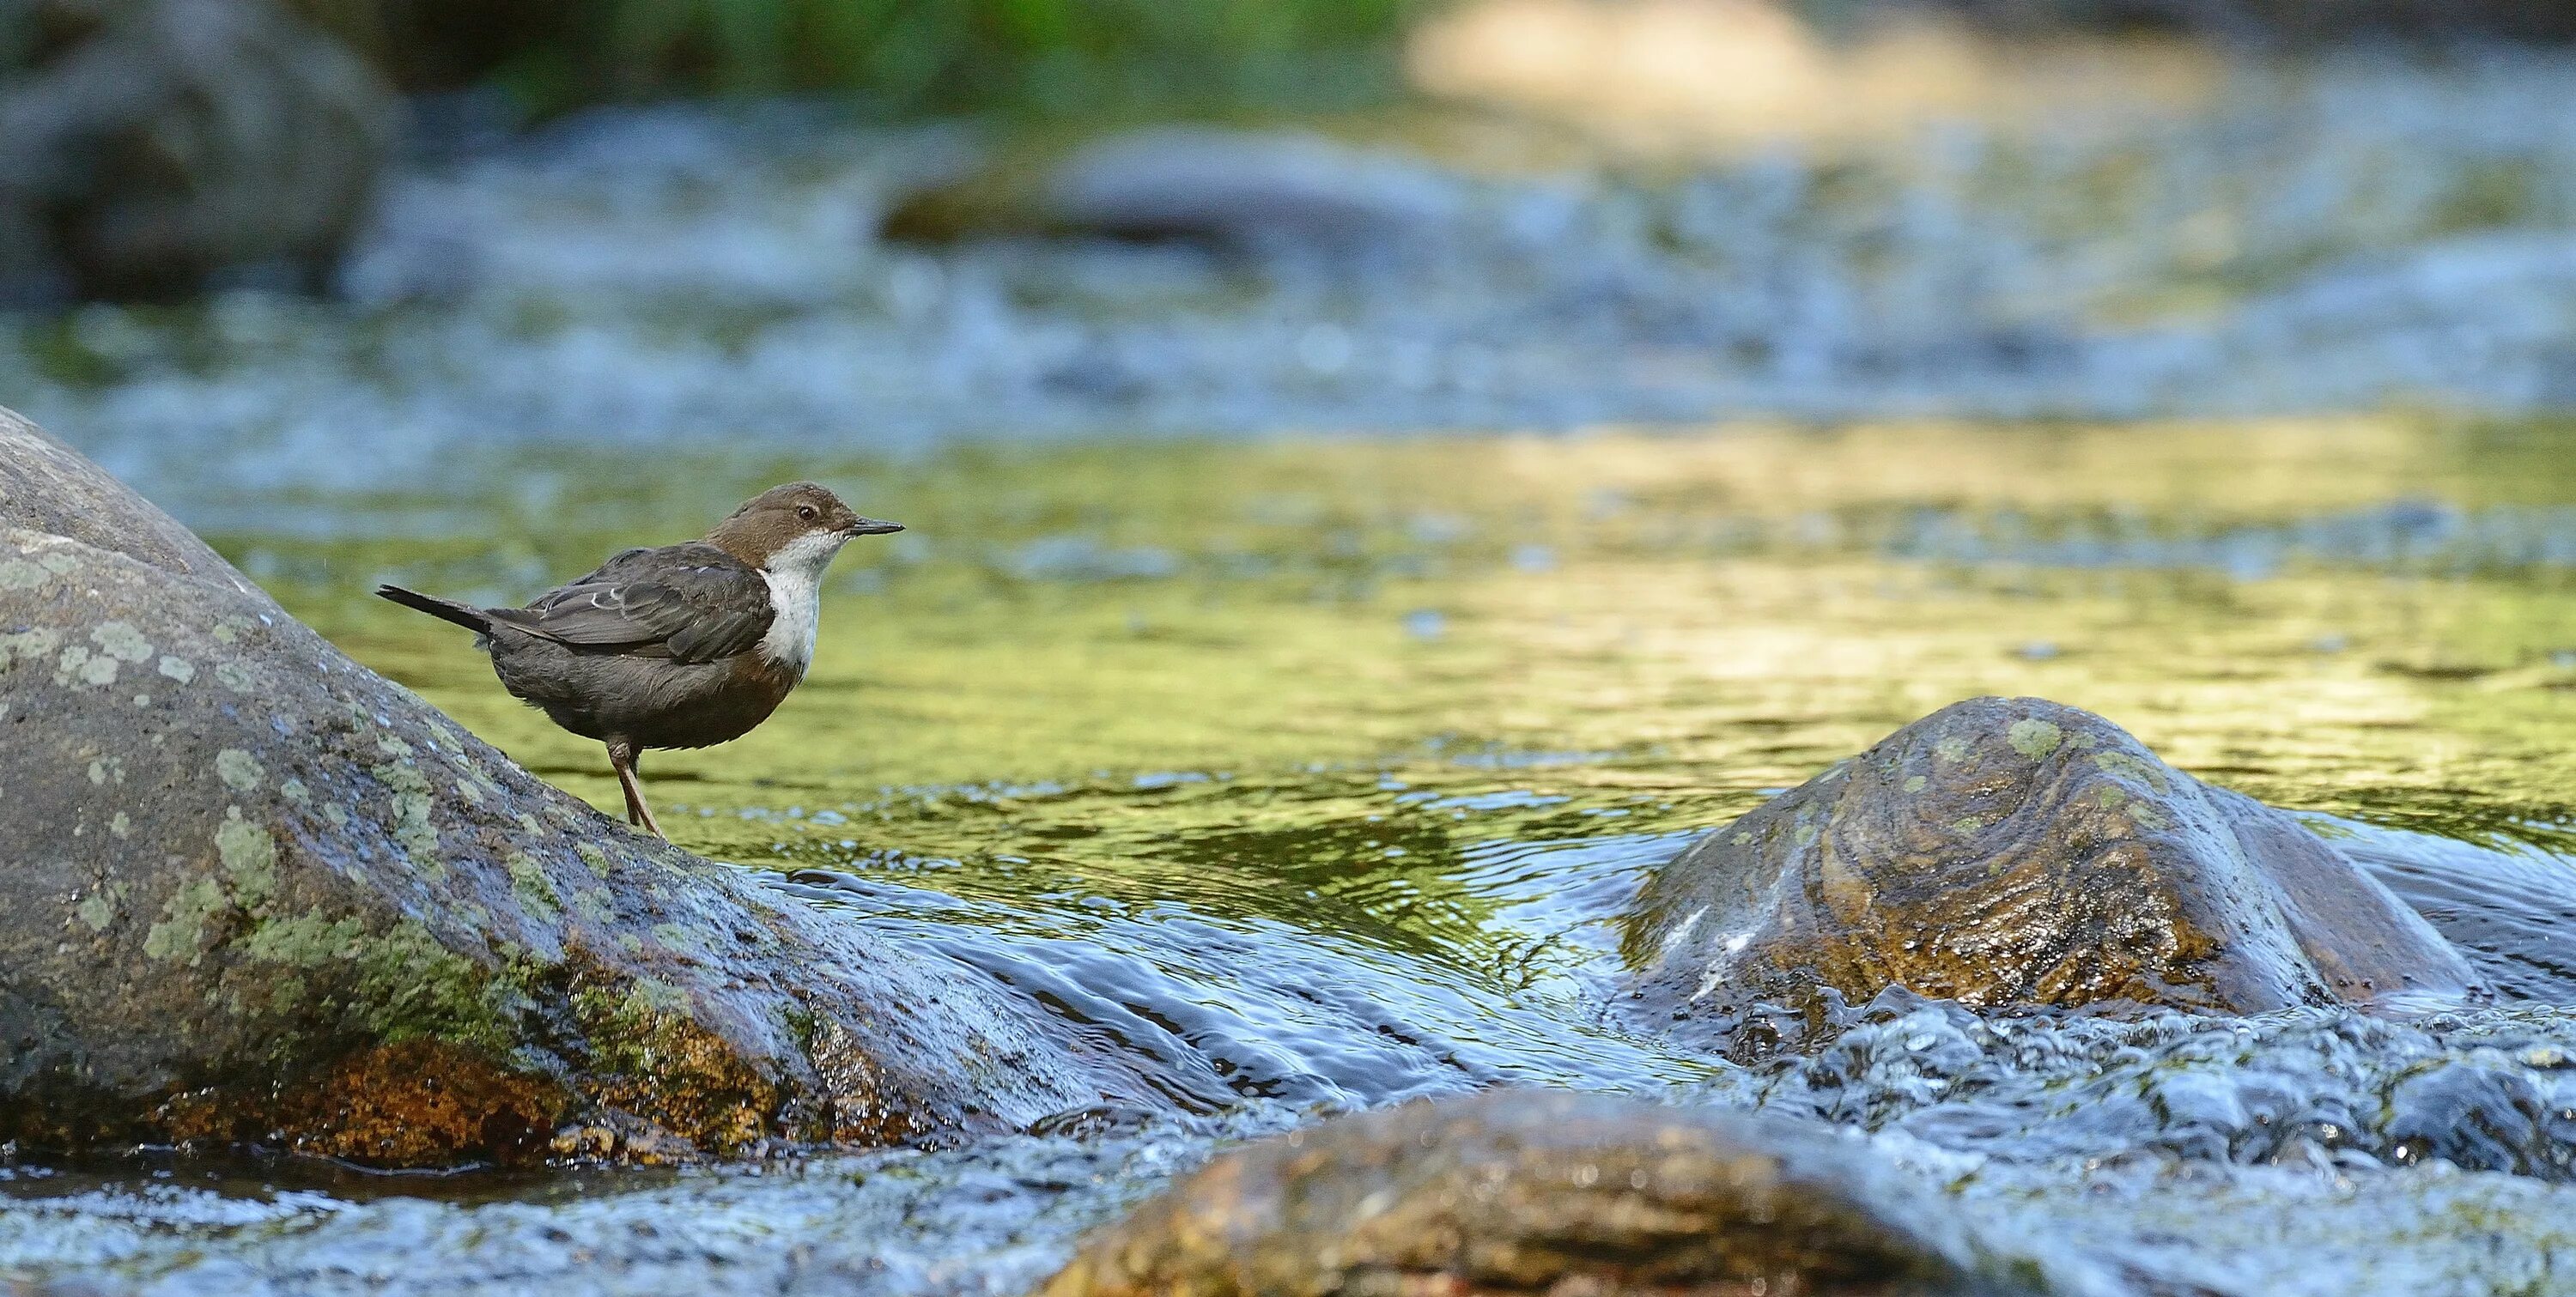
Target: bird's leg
621,758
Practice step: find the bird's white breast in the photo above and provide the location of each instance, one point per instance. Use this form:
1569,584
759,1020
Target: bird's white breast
795,577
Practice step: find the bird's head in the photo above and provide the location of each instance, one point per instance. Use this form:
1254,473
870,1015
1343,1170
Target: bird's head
796,527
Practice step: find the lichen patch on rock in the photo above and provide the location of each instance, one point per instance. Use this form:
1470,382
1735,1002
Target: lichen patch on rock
121,641
239,770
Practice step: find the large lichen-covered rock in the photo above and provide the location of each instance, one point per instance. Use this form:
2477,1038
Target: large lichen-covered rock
153,148
1523,1191
2015,852
251,891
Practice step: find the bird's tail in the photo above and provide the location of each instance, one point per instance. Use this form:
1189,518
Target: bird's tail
470,618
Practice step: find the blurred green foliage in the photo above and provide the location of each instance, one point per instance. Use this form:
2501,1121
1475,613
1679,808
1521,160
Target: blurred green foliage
893,56
1114,57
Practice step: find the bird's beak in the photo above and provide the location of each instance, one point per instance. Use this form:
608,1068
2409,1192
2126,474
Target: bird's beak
873,527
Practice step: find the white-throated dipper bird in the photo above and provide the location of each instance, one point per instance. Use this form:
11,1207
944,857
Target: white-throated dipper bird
678,647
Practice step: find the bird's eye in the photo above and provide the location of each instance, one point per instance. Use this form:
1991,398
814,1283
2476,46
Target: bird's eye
806,512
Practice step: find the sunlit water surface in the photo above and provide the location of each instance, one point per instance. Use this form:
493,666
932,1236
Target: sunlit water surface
1322,770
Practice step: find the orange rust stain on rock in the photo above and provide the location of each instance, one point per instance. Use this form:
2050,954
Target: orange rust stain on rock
423,1103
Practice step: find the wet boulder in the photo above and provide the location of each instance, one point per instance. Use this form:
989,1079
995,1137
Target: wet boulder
1248,190
252,892
1524,1191
154,148
2015,852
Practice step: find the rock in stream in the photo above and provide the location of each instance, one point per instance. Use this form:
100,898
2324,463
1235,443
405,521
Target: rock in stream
153,148
1242,189
1518,1191
251,891
2017,853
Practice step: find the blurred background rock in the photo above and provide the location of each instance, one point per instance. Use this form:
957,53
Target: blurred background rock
156,148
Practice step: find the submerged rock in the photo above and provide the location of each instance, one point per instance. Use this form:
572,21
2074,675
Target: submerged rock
1528,1191
2015,852
255,892
1247,189
165,146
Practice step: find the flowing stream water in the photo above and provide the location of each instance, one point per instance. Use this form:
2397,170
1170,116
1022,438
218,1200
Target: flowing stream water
1322,770
1322,767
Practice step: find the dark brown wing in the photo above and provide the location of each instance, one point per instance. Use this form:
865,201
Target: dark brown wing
691,603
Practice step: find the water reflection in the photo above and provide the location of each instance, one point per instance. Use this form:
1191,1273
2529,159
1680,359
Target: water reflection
1199,783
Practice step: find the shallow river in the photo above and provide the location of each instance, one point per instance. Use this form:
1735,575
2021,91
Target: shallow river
1321,769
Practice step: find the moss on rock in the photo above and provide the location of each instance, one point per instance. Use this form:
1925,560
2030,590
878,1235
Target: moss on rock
293,903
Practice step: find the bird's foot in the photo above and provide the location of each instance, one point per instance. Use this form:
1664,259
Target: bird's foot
621,758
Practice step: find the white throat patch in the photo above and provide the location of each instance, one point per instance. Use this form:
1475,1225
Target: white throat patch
795,577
